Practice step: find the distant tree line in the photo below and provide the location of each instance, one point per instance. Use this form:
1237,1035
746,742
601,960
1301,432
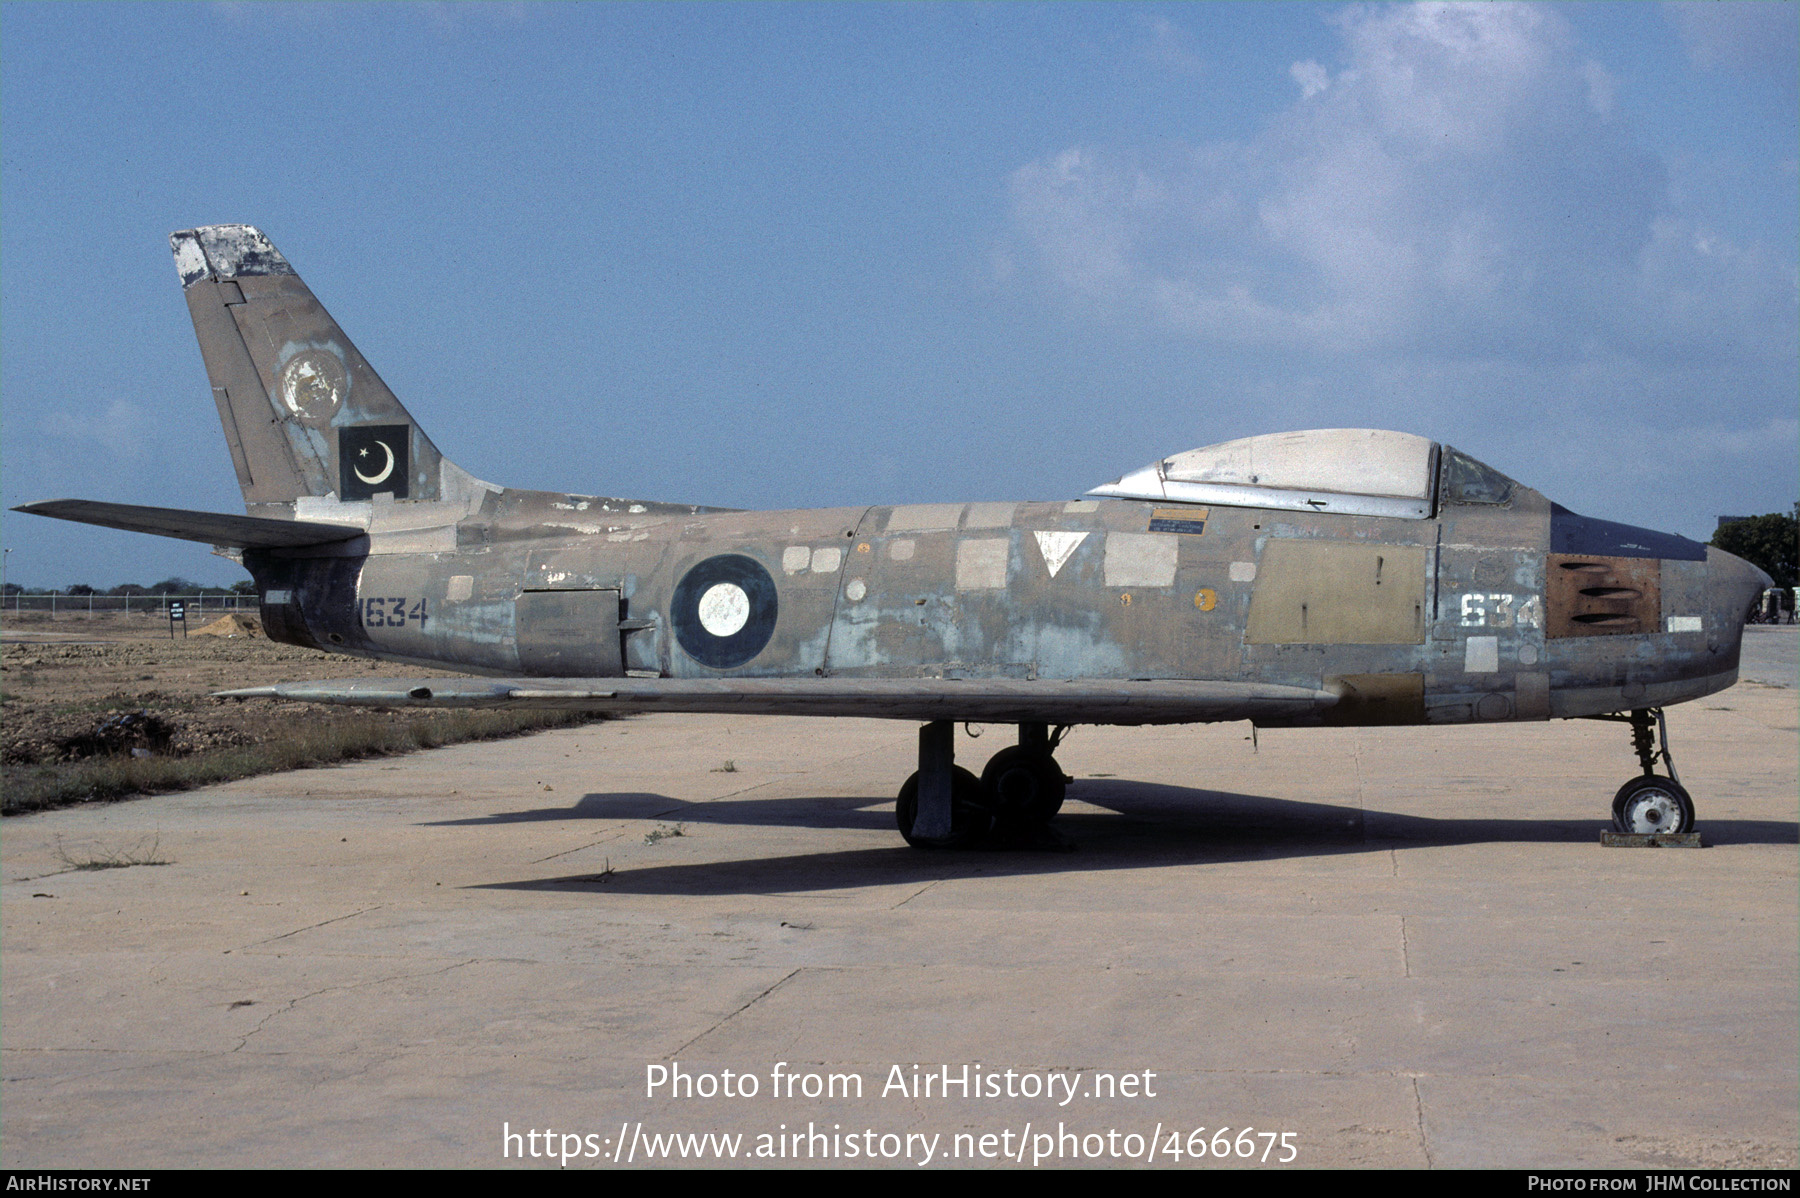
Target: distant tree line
1770,542
168,586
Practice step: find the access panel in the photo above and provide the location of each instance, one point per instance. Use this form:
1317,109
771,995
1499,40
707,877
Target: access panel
569,634
1338,593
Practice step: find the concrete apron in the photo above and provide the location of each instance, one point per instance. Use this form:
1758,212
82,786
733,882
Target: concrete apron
1405,947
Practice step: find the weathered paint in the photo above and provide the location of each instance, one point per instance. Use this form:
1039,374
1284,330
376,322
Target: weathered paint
981,564
1057,547
1345,576
1140,559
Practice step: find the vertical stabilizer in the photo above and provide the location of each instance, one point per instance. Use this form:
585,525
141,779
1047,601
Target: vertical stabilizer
304,413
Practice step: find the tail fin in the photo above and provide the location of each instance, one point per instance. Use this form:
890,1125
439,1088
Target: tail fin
303,412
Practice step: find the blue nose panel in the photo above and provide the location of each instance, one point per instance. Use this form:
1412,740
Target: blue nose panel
1570,533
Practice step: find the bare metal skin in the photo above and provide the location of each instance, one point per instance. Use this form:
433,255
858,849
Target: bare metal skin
1331,577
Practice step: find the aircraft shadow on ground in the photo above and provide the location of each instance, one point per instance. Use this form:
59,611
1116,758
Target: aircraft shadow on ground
1143,825
825,812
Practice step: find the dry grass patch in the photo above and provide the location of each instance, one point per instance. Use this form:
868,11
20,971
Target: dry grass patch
323,739
144,852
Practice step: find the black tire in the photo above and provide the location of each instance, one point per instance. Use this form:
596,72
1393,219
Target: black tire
970,818
1652,804
1025,788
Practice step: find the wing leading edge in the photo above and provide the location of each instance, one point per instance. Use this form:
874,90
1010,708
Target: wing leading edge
211,528
921,699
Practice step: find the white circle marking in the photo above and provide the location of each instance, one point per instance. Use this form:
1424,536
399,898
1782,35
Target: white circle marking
312,384
856,590
724,609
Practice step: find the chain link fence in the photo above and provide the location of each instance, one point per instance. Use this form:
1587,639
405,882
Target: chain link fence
220,602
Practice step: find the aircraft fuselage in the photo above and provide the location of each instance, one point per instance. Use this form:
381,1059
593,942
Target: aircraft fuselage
1471,615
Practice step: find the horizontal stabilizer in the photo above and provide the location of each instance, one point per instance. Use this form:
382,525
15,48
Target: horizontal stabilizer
989,700
211,528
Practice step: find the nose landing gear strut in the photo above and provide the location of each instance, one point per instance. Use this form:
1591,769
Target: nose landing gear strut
1651,803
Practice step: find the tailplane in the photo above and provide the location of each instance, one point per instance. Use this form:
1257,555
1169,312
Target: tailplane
210,528
304,413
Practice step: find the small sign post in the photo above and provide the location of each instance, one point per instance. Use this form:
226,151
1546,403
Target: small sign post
177,614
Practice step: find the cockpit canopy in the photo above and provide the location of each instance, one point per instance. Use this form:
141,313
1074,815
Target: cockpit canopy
1353,471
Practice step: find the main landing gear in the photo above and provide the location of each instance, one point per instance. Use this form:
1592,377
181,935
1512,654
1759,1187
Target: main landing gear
1651,803
945,806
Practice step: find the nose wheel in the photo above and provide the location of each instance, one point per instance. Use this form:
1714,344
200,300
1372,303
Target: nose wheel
1651,803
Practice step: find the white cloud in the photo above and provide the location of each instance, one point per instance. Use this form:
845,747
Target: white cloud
1311,77
1451,231
1602,88
1759,37
121,430
1171,47
1459,188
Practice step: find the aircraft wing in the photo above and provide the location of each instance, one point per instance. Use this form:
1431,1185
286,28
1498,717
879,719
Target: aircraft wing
990,700
212,528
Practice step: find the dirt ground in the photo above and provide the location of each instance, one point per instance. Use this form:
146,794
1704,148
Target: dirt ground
64,680
75,689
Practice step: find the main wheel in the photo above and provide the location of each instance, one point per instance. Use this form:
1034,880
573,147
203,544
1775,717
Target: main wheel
970,817
1026,787
1652,803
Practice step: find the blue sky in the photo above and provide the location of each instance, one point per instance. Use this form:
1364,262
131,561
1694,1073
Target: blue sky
811,255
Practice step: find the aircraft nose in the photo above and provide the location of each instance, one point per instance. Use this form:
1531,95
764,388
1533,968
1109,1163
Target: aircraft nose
1736,585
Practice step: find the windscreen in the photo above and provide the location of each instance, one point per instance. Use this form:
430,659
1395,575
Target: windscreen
1466,481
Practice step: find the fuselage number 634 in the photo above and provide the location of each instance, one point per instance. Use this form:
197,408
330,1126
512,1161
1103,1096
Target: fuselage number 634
1486,609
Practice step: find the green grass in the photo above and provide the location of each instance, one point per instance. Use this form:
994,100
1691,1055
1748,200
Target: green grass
100,779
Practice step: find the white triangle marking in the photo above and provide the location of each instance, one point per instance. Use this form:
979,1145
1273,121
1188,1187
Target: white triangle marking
1057,546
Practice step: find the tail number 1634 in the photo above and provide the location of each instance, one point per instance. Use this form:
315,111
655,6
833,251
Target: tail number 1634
391,613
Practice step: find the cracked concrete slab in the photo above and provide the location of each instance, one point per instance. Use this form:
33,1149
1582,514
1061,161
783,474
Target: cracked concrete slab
1404,946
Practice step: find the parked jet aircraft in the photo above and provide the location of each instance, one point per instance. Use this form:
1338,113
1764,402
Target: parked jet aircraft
1342,576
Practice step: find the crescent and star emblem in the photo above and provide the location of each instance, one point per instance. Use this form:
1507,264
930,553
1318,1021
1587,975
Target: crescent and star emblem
361,470
385,470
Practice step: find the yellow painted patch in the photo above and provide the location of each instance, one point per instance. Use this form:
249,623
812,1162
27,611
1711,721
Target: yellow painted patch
1179,519
1206,598
1319,592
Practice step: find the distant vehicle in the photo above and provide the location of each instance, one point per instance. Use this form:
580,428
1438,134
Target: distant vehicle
1339,576
1776,606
